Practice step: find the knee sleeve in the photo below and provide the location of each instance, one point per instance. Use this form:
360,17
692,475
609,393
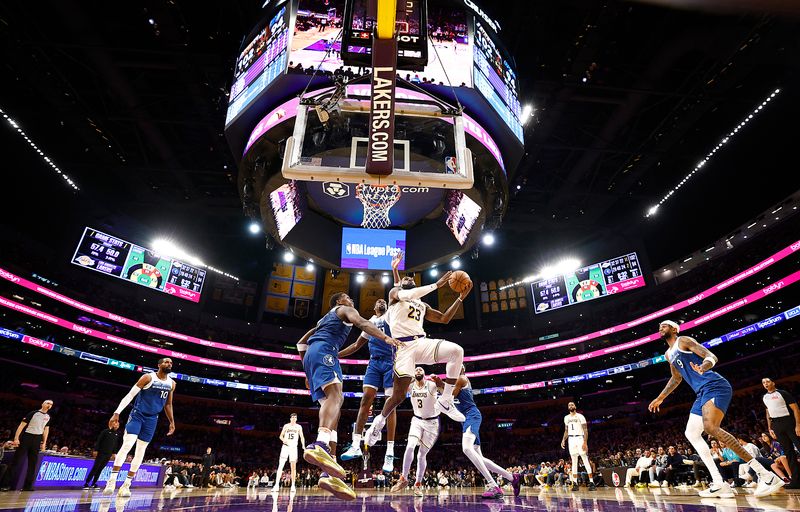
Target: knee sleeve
467,442
694,429
138,457
128,440
412,443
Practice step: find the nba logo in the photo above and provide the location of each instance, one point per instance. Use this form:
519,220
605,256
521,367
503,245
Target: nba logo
450,164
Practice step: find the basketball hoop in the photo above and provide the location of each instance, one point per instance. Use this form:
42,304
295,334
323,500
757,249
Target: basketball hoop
377,201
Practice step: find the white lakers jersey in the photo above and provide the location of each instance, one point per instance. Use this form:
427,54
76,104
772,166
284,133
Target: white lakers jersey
405,318
292,434
574,424
423,399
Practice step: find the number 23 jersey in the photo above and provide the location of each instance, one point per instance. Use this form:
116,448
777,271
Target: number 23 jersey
405,318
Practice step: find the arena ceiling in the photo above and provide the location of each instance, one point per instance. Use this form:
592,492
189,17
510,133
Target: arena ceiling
130,100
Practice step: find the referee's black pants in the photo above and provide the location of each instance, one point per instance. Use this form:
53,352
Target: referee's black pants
99,463
29,446
784,431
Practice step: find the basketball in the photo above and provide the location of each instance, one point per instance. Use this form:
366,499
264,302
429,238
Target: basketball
459,281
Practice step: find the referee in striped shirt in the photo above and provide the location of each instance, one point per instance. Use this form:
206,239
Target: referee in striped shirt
783,420
29,439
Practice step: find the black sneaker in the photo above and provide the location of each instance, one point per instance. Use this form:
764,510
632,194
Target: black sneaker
95,486
592,487
86,487
574,487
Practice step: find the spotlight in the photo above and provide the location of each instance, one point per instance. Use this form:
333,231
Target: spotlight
652,210
310,267
254,228
456,264
360,278
385,279
488,239
288,257
434,272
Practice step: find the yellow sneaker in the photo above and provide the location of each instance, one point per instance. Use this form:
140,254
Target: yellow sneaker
337,487
317,454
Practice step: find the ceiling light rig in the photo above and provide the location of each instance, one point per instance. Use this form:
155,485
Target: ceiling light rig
725,140
46,158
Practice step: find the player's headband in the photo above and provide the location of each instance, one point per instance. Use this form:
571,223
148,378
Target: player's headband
671,324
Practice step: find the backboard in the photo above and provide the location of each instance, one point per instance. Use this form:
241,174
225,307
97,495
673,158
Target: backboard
330,138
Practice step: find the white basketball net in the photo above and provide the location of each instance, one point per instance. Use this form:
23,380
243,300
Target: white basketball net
377,201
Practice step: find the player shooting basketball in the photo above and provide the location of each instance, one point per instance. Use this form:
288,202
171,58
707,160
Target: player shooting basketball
405,316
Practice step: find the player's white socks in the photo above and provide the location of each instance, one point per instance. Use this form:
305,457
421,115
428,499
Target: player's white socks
356,439
422,463
491,466
334,437
324,436
112,478
447,394
390,448
759,468
379,422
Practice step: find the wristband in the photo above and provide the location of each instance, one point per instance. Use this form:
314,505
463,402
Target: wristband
302,347
711,360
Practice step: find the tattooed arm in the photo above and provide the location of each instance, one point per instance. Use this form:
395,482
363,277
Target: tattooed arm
674,382
709,359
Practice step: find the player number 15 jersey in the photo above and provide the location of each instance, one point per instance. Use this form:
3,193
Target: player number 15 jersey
292,434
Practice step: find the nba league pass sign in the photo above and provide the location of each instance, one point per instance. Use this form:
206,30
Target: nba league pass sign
372,249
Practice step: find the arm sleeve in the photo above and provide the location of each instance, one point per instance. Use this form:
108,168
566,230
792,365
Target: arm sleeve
127,399
789,399
416,293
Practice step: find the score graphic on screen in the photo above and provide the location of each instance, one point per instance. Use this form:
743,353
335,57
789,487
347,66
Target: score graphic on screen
119,258
591,282
372,249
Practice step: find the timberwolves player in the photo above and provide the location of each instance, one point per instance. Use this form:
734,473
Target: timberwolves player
471,439
379,375
424,430
153,393
319,350
691,361
406,315
290,434
577,431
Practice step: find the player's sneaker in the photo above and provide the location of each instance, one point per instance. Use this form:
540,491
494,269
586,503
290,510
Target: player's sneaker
388,464
447,407
318,454
110,487
372,435
418,491
336,487
276,488
492,493
592,487
292,489
516,483
575,487
124,490
401,484
769,485
354,452
717,491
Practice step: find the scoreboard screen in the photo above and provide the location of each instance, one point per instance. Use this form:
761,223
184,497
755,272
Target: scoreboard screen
588,283
122,259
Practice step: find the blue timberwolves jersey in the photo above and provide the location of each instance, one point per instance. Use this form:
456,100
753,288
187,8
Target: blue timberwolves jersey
465,401
331,329
680,360
152,398
377,347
